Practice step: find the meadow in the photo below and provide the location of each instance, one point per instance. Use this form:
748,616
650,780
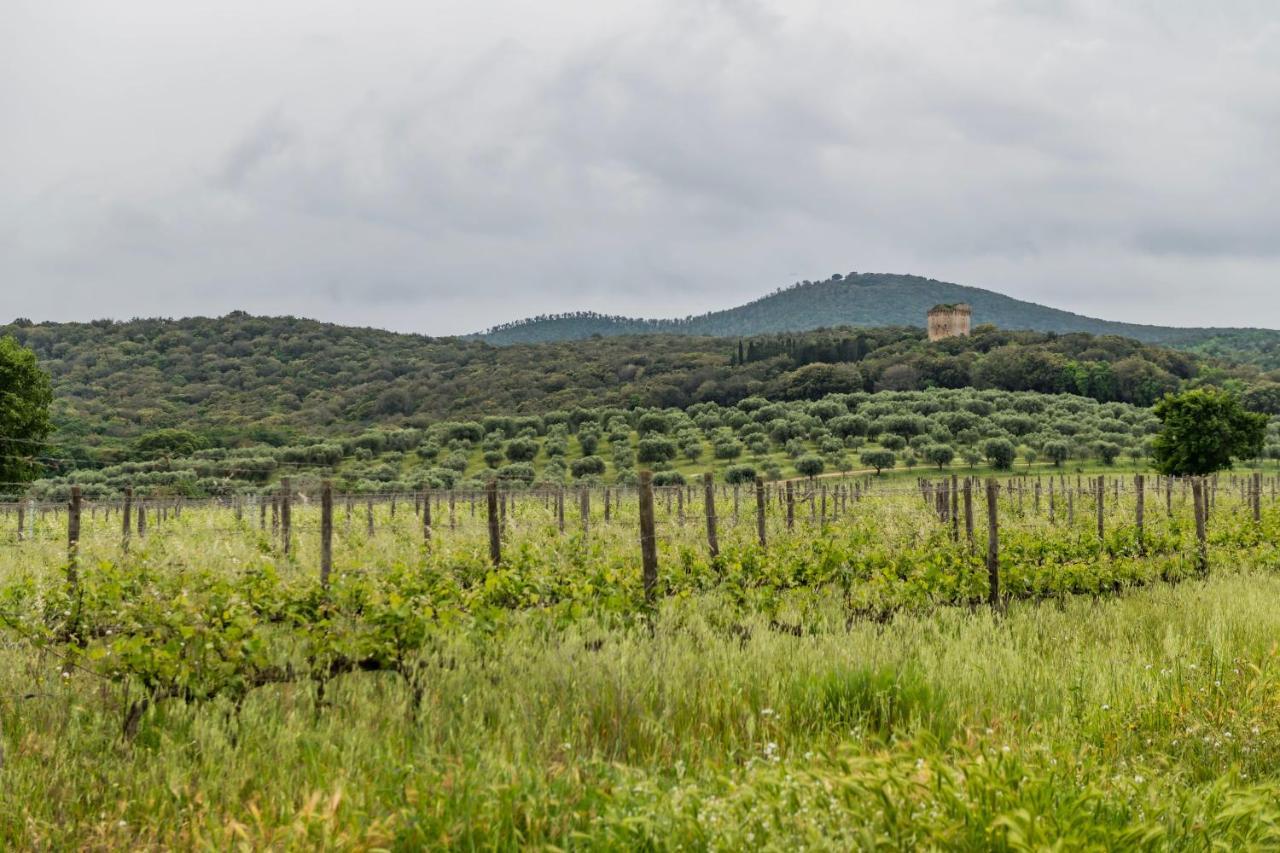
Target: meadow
846,684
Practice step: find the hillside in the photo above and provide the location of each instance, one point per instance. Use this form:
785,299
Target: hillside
239,378
879,299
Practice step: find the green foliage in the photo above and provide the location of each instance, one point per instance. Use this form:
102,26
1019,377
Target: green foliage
167,442
999,453
810,465
739,474
587,466
939,454
1203,430
239,380
25,397
878,459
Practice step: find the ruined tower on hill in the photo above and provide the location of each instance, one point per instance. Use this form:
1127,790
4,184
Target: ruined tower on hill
949,321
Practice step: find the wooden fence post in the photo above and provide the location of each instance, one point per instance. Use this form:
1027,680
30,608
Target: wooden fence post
142,520
791,506
1102,497
73,536
968,511
495,533
709,487
761,507
993,543
584,509
126,524
22,518
286,513
648,538
1257,498
1200,498
1140,511
326,531
426,520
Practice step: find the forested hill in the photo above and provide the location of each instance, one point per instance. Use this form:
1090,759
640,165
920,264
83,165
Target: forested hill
242,378
880,299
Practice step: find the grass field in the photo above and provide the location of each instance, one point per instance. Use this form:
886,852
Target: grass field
841,688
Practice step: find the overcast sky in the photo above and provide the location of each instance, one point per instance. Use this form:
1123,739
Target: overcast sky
438,166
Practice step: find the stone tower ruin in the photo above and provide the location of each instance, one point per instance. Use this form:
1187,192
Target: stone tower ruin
949,321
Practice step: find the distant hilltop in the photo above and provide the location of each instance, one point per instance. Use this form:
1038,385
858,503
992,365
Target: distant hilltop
881,299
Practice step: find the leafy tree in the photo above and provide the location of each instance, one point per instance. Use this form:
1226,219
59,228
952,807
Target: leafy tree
25,396
728,449
810,465
167,442
878,459
522,449
893,442
493,458
737,474
999,453
939,454
1108,452
668,478
1202,431
587,466
656,450
1057,452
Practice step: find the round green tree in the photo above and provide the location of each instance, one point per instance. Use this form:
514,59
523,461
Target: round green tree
1202,431
25,397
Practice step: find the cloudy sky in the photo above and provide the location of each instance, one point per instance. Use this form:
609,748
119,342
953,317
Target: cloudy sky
440,166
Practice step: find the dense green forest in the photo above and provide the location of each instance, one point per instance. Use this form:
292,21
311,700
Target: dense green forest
240,379
878,299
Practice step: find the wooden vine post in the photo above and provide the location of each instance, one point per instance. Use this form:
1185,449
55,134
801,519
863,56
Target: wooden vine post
73,536
791,505
426,520
326,531
286,513
993,543
1102,498
495,532
760,512
126,524
1140,511
648,538
1200,500
709,490
968,511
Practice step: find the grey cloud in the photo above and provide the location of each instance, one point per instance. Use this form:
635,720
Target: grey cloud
441,171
